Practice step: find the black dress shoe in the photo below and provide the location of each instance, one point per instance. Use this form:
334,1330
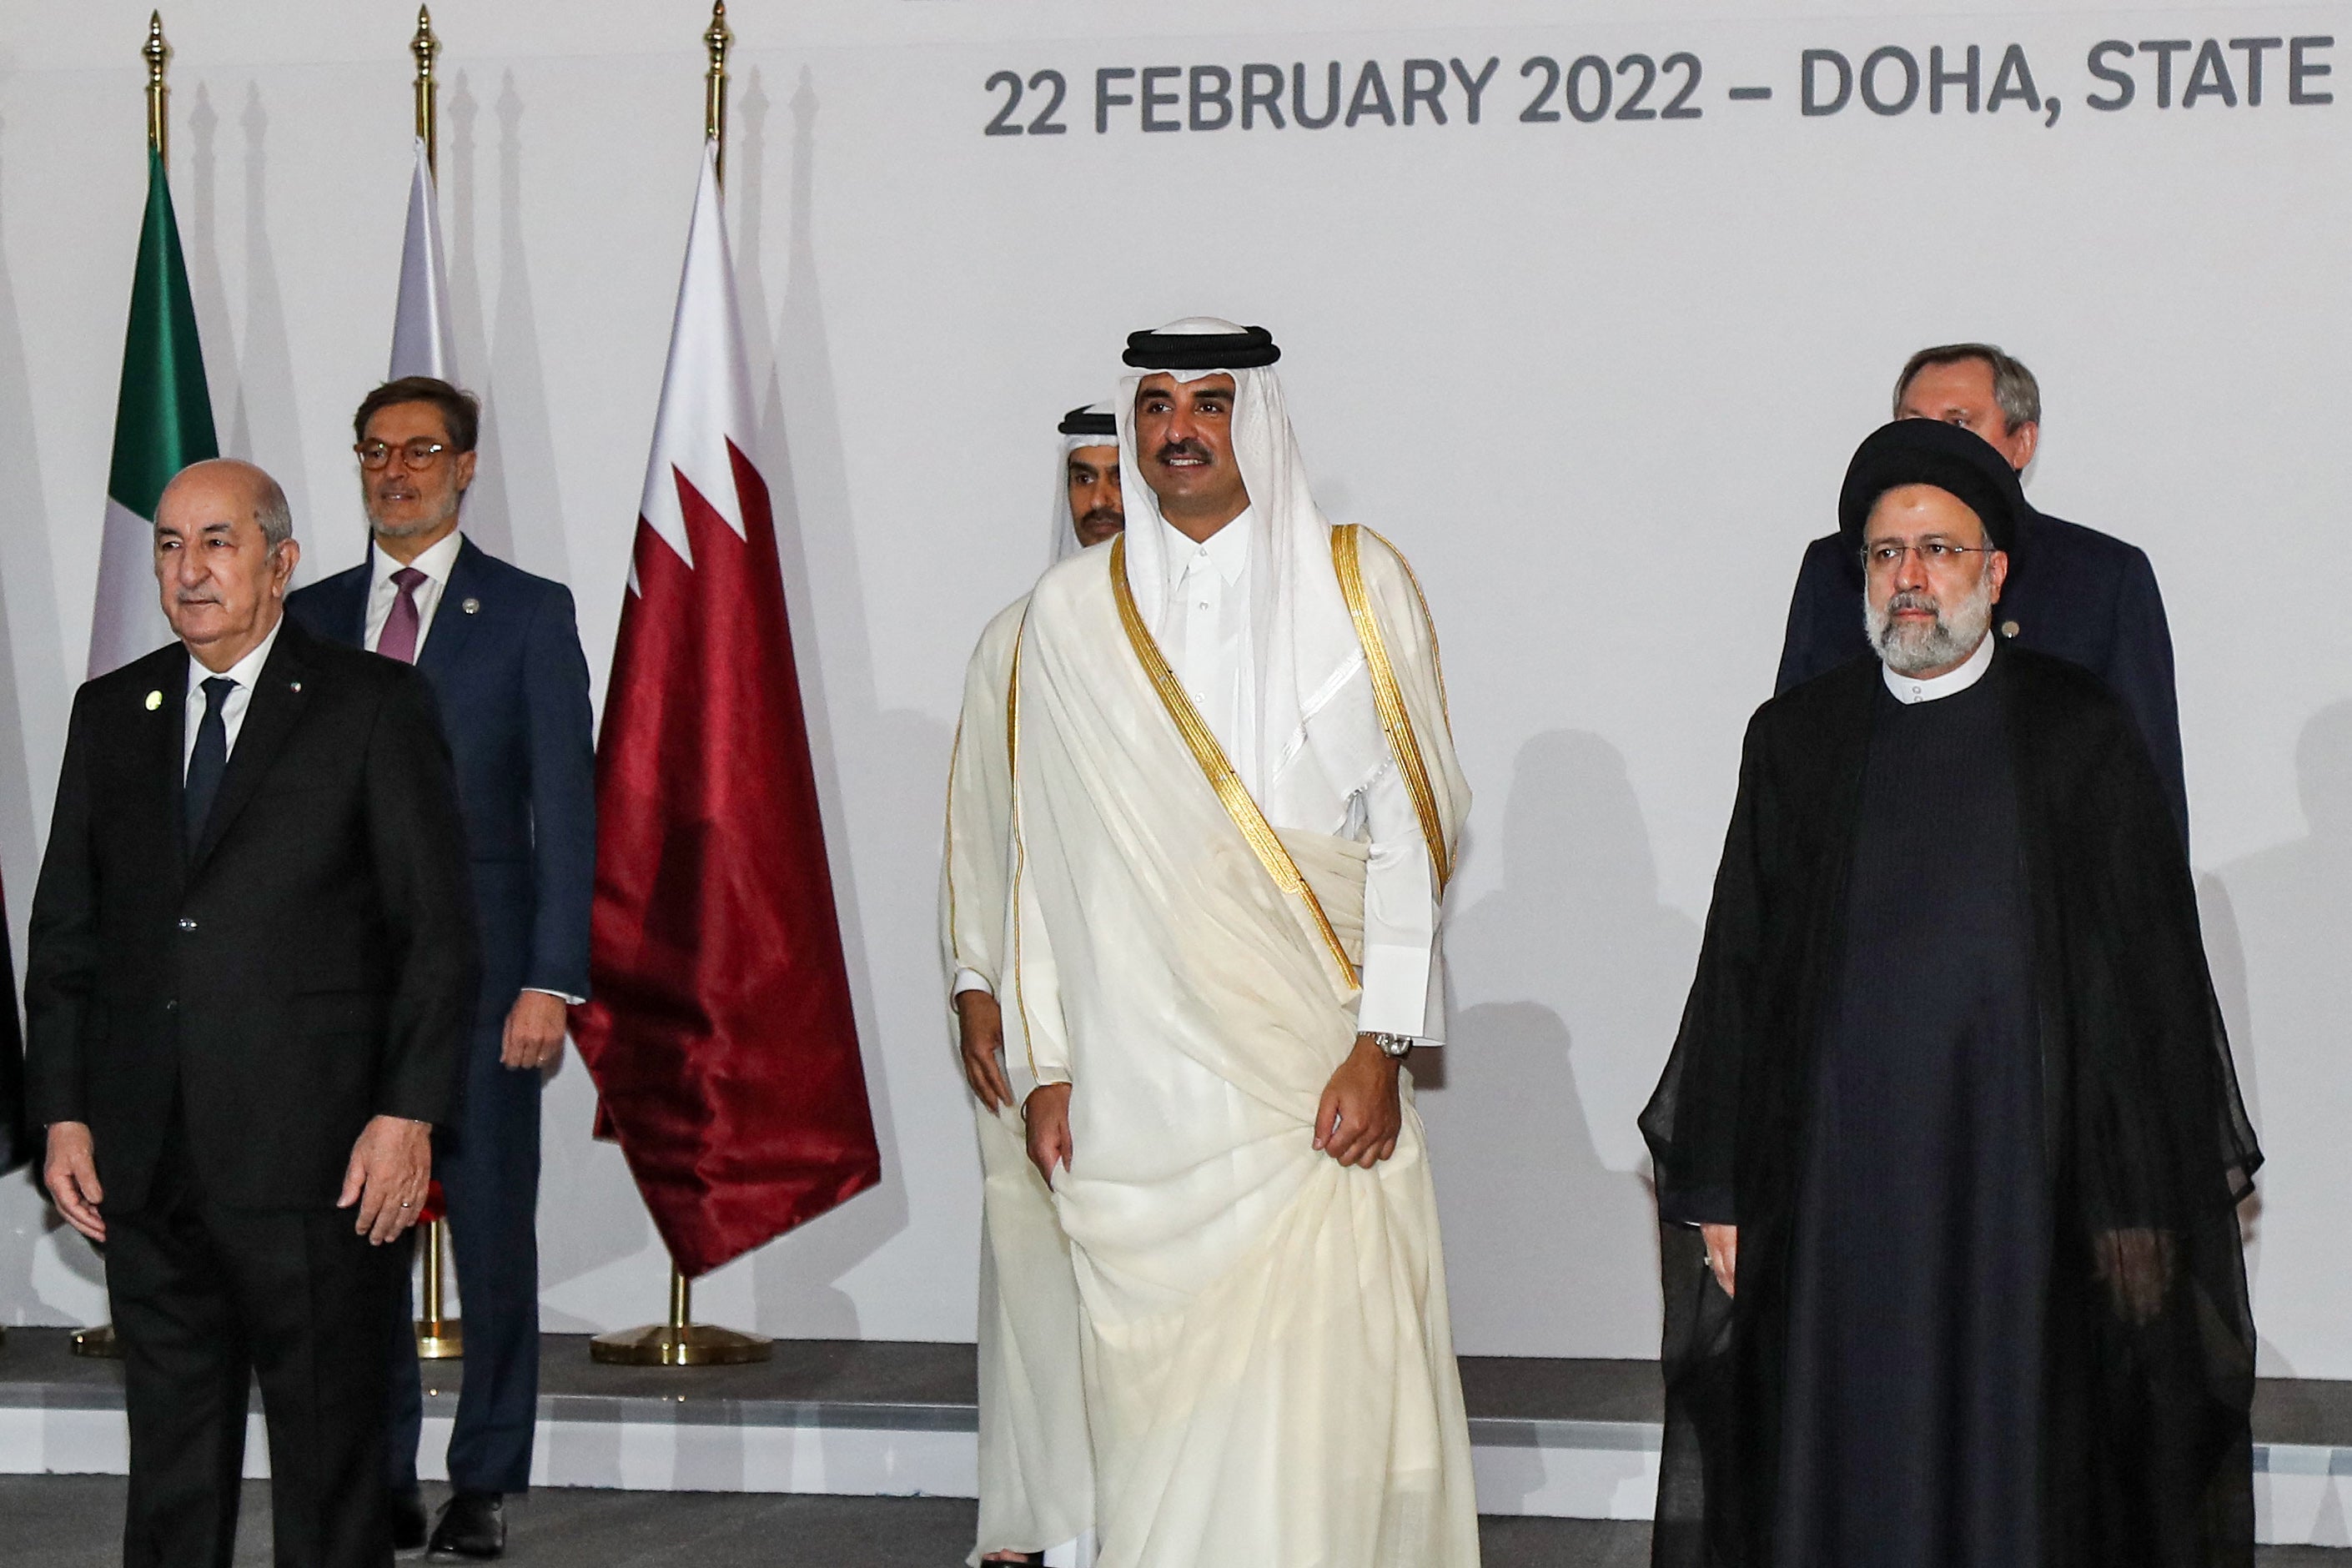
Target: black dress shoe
407,1511
473,1527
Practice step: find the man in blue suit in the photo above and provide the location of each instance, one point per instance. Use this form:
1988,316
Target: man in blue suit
2086,596
503,655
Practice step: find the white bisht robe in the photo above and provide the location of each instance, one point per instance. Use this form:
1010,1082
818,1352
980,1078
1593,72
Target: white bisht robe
1270,1369
1036,1469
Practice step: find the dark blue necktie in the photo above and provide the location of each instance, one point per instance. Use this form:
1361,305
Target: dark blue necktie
209,759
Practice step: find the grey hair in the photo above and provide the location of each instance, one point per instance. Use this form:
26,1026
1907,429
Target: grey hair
2014,386
270,511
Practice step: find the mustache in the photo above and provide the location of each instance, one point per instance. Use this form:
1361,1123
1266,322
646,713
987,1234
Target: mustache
1186,448
1104,517
1915,601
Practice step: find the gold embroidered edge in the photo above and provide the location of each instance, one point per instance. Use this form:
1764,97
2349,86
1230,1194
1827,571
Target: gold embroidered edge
1231,792
1404,745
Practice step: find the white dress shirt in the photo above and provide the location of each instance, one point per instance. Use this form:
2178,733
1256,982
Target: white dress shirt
436,562
1209,645
1910,688
245,672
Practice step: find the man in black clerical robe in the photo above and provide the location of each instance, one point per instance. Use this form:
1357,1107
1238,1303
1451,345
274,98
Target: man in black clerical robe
1949,1145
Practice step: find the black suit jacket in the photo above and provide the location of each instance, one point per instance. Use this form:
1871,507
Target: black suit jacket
511,685
2081,595
309,964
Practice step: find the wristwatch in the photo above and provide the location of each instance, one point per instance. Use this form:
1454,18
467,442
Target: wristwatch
1393,1045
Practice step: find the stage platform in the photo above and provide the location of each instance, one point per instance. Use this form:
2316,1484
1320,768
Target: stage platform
1560,1438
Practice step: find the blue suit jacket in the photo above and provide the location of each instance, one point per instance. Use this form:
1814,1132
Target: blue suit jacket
2083,595
503,655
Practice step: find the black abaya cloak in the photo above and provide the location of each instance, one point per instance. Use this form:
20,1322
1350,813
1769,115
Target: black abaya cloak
2146,1360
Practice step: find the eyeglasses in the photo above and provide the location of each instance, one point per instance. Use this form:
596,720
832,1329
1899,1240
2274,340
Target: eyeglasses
417,456
1940,554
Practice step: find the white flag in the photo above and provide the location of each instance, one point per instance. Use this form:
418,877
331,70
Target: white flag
422,343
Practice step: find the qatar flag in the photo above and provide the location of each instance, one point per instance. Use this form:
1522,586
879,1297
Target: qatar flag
719,1034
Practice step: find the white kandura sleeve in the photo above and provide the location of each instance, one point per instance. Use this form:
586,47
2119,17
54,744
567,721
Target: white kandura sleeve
1400,911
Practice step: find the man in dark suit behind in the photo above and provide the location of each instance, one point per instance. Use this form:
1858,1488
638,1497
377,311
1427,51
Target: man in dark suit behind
2086,596
501,649
252,964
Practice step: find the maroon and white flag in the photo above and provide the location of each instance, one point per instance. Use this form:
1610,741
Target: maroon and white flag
719,1034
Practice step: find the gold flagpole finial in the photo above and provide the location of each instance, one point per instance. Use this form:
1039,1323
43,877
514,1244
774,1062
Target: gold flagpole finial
158,55
718,40
427,49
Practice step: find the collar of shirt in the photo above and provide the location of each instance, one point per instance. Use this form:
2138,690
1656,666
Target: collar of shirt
436,561
1227,550
245,672
1908,688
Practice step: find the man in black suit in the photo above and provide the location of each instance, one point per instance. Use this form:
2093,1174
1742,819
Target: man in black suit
252,966
2087,597
501,652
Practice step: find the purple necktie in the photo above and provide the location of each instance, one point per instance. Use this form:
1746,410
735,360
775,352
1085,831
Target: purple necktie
399,638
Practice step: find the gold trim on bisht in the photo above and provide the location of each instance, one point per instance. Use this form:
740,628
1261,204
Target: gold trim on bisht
1235,796
1404,745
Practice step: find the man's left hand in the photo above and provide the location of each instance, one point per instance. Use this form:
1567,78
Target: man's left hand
392,1166
534,1036
1360,1116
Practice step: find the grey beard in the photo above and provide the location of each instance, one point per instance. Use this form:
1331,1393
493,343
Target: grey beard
407,529
1911,650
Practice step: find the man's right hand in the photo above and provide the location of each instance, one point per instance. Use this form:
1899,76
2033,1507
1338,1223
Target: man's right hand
71,1173
979,1028
1048,1109
1723,1255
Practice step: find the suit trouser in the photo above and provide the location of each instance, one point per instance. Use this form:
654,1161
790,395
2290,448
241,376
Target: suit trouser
207,1298
488,1164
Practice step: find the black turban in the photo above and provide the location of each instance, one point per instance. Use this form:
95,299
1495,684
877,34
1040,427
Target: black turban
1930,452
1243,350
1085,420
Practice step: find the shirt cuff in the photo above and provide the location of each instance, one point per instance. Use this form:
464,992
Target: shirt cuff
564,996
1395,998
970,980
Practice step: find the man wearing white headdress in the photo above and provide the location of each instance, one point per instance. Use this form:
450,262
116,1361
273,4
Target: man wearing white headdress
1236,806
1036,1475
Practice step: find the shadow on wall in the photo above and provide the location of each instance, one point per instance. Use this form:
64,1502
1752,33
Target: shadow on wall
2278,926
889,765
1571,977
487,511
29,661
265,424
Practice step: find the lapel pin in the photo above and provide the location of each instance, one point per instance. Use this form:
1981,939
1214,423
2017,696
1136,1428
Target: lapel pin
294,686
2008,628
472,607
154,700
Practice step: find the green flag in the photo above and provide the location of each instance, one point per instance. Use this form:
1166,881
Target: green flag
162,422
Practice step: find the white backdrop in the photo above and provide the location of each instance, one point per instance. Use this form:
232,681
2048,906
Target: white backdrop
1599,379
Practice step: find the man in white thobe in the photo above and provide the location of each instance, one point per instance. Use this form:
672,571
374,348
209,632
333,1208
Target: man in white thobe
1235,804
1036,1475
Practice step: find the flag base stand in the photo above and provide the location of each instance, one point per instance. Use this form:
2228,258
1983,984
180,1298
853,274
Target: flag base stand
98,1341
681,1341
438,1336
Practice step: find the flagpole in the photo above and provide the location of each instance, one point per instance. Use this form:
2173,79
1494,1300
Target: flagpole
439,1337
98,1340
158,56
717,40
428,48
682,1342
